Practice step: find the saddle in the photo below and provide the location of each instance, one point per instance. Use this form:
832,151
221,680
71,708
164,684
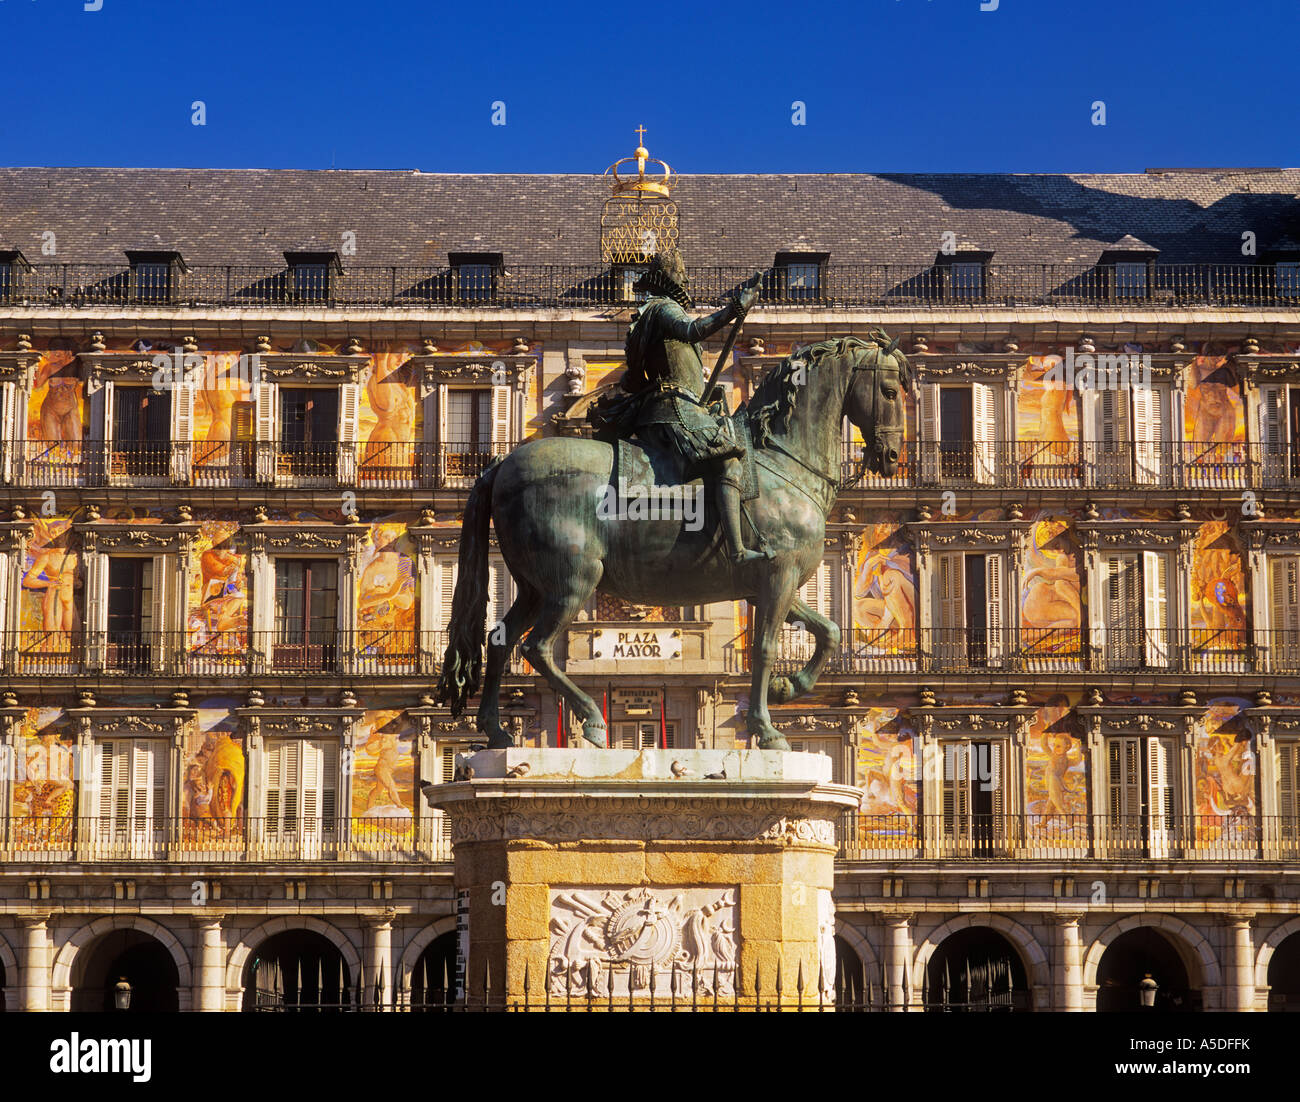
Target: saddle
638,463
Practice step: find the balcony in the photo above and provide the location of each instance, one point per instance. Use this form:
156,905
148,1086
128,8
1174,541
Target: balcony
372,465
1057,838
49,840
837,286
1074,464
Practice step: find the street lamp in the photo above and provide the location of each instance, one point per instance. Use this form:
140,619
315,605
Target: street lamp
122,994
1147,989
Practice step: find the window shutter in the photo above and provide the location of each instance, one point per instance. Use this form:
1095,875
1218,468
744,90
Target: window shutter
1111,435
994,600
145,778
8,431
1273,431
182,414
273,757
1148,422
950,606
104,418
985,407
349,415
997,780
1155,598
501,399
1125,787
956,788
1284,610
156,635
444,572
4,593
928,432
1160,794
96,597
498,592
266,418
107,768
446,764
1288,779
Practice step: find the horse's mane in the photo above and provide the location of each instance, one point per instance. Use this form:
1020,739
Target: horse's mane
775,396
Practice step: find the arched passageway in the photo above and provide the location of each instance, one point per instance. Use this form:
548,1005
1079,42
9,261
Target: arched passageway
1129,960
130,955
975,969
297,970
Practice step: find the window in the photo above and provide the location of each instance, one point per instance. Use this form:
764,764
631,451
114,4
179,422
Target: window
625,277
796,277
132,614
132,798
445,571
1130,279
1136,629
309,425
1287,278
973,811
474,425
969,591
151,282
821,593
1284,612
828,747
1288,784
966,279
474,276
6,280
1141,784
141,432
959,427
301,803
311,282
1279,428
643,735
1131,434
306,610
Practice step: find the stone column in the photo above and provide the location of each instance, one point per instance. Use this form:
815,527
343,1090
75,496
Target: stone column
38,959
898,960
1067,973
1240,994
210,952
379,960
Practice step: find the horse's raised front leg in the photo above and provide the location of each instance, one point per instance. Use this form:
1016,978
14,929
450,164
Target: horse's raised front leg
501,637
826,639
558,611
770,609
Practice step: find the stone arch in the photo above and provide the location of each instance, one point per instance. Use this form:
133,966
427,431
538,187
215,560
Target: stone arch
1189,943
251,940
1268,947
1022,940
10,963
417,945
61,973
858,943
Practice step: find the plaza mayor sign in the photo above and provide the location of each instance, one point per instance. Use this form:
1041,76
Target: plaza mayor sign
654,643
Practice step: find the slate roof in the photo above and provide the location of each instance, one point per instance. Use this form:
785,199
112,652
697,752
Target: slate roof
251,216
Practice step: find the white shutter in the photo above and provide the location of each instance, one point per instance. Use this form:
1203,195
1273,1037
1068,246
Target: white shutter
311,794
1273,432
498,592
1284,611
1148,434
1288,781
997,779
273,757
956,789
984,434
1160,795
1122,636
1125,777
1111,436
501,400
4,604
8,431
156,634
105,412
444,574
266,422
994,598
950,607
928,432
349,415
182,431
1155,608
132,799
96,598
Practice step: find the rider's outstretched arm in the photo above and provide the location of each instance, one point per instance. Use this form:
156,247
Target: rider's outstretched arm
678,326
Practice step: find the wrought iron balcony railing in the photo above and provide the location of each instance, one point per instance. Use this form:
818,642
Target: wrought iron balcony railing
1048,836
240,838
365,651
835,286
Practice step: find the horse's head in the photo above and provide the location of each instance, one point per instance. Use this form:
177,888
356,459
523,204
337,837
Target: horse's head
875,403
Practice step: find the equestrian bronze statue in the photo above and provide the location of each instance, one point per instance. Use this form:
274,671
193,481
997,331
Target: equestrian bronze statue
561,545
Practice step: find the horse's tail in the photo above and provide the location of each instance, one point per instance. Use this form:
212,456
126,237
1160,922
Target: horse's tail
462,663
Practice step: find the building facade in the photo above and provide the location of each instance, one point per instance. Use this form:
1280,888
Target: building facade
241,413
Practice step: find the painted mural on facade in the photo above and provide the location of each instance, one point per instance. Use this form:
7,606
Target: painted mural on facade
1218,589
886,768
50,605
386,604
884,590
45,782
56,411
1051,603
383,781
213,775
217,619
1056,775
1226,772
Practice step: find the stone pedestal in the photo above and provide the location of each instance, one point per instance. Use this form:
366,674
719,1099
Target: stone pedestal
599,873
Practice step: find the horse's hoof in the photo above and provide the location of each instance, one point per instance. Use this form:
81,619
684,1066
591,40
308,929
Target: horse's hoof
780,690
597,736
500,741
773,742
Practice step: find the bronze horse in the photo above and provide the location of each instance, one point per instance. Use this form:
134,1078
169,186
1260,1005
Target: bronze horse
544,498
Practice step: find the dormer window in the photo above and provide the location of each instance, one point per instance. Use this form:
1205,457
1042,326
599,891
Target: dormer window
475,275
796,277
153,273
1126,268
1287,278
311,272
12,267
962,273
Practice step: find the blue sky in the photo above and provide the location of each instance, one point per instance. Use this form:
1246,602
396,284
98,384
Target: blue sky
888,85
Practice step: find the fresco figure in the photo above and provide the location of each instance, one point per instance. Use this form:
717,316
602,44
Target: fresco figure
60,409
54,569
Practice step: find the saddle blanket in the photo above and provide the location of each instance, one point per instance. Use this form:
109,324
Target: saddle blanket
637,465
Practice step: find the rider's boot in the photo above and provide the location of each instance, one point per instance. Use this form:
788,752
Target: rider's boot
728,489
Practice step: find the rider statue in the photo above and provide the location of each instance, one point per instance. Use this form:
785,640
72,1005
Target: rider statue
664,402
